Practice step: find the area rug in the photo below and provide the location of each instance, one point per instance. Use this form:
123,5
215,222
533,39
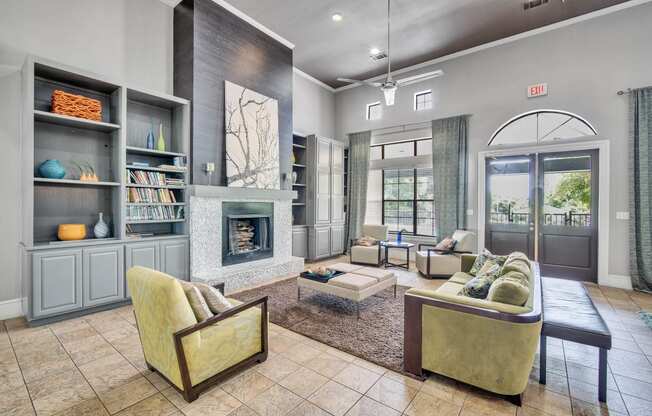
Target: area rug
377,336
647,318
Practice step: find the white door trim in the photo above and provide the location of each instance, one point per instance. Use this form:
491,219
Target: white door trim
603,195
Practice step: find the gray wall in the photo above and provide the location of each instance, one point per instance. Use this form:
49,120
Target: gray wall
584,65
313,107
128,40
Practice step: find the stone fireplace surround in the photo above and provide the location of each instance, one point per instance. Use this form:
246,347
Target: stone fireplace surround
205,218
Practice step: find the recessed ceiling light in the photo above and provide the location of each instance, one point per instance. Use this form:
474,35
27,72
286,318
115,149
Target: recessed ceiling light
337,17
374,51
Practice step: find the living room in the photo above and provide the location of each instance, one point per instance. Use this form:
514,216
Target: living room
333,208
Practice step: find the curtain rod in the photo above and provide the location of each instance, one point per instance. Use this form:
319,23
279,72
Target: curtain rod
629,90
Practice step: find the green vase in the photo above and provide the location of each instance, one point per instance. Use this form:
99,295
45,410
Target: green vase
160,144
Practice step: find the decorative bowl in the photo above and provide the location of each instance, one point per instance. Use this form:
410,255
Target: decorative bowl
51,169
71,232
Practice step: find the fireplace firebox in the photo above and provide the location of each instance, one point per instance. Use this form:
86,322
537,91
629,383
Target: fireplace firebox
247,231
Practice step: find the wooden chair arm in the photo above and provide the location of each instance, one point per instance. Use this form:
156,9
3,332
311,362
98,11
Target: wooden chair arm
224,315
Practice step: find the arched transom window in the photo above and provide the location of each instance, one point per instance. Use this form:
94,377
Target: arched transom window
541,126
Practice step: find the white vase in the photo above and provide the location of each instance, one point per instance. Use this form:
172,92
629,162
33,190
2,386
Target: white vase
101,229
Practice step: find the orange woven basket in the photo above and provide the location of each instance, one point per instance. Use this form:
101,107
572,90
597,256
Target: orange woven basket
76,106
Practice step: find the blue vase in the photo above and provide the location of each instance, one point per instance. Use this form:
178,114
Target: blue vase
51,169
399,237
150,140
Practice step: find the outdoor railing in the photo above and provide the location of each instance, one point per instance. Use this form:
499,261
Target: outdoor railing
568,219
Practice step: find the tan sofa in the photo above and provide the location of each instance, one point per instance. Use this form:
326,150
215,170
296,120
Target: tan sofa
487,344
436,263
369,254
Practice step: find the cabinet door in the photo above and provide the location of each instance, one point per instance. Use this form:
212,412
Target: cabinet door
103,275
322,242
337,155
175,258
300,242
56,282
337,239
323,154
322,203
141,254
337,208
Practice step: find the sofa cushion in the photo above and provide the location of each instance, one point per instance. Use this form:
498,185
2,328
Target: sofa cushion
517,262
450,288
215,300
482,258
478,287
511,288
378,274
197,302
461,278
345,267
366,241
353,281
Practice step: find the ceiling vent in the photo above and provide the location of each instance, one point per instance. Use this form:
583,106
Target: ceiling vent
533,4
378,56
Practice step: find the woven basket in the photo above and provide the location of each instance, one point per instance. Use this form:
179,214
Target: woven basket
76,106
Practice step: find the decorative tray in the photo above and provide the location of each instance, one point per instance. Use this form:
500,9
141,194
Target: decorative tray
321,278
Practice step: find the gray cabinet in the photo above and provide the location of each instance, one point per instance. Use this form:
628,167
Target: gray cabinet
337,239
300,242
325,197
175,258
103,275
144,254
56,282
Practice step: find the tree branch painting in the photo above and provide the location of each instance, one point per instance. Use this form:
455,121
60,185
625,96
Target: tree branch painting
252,145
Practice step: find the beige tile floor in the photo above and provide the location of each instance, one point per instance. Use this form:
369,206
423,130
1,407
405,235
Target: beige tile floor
94,366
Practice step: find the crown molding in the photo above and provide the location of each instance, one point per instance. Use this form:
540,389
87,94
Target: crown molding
253,22
510,39
313,79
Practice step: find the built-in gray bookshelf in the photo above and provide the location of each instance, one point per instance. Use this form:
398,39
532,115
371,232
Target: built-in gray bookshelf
299,184
66,276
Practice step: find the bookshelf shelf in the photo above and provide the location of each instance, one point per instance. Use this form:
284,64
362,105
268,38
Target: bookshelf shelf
299,146
156,204
151,152
48,117
134,185
297,165
153,221
301,185
72,182
154,169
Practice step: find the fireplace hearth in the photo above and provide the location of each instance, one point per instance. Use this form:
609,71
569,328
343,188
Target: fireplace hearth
247,231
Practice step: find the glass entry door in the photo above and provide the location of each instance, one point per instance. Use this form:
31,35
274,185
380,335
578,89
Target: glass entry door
509,223
546,206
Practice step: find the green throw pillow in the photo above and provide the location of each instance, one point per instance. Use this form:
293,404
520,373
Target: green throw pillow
478,287
512,288
482,258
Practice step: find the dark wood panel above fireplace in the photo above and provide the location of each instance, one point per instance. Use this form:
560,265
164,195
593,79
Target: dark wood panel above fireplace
212,45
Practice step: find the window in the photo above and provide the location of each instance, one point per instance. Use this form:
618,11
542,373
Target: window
374,111
402,149
408,201
423,100
541,126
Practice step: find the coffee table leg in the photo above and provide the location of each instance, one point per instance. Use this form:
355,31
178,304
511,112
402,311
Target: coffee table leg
298,292
357,309
407,265
394,291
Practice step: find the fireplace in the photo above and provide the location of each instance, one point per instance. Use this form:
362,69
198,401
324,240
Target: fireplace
247,231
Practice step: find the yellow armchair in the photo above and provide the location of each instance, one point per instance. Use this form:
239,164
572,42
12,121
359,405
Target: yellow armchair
193,356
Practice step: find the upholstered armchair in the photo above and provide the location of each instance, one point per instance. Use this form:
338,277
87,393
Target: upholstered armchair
373,255
193,355
437,263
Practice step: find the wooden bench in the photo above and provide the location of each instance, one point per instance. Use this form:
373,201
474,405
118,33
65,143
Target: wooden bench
569,314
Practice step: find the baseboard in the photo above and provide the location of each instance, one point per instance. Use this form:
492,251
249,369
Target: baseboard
616,280
12,308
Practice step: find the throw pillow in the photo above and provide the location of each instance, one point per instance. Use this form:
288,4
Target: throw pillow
367,241
478,287
446,244
197,301
482,258
512,288
216,301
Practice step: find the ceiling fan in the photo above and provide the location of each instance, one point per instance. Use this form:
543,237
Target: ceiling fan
389,86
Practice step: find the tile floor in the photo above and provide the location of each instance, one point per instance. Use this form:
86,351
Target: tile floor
94,366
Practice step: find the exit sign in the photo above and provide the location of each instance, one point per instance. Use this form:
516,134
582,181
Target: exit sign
537,90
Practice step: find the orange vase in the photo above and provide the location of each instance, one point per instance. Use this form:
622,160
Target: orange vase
70,232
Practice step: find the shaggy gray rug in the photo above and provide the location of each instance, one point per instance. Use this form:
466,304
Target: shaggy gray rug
377,336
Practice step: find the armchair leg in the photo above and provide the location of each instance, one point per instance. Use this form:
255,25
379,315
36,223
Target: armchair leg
515,400
542,360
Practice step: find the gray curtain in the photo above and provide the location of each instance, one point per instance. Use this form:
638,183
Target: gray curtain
449,154
640,189
357,183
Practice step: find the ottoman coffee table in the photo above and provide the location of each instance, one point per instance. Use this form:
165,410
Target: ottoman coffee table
357,283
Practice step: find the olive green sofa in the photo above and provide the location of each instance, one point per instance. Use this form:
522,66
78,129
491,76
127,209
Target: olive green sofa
486,344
